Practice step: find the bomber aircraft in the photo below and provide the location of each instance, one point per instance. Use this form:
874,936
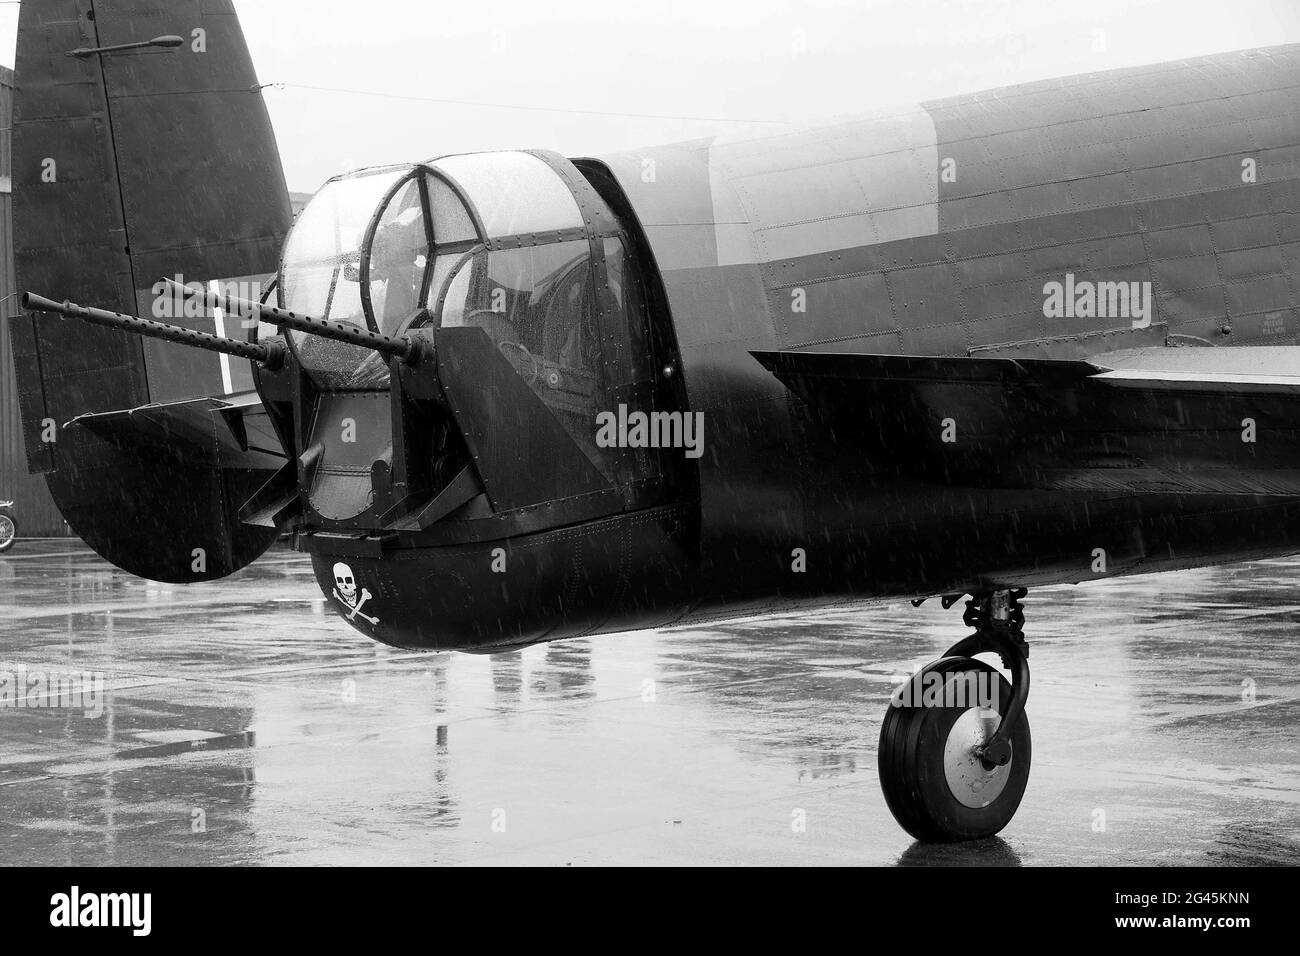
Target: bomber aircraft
957,349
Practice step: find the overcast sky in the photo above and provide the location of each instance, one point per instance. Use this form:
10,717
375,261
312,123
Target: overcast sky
715,59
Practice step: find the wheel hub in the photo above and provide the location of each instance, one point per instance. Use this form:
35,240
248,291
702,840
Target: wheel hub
972,783
6,529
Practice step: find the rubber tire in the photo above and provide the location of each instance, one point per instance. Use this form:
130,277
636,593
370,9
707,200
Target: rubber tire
6,545
910,760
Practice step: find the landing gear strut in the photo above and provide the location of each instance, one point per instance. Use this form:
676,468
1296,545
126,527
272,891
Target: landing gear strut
955,748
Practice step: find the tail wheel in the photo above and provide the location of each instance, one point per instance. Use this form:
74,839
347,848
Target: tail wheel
935,784
8,531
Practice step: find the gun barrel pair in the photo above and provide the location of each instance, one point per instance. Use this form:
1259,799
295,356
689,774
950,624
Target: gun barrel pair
269,354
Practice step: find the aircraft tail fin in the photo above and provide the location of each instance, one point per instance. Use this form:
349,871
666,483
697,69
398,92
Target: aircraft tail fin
142,148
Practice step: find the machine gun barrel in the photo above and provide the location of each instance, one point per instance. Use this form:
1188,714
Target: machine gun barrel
270,354
407,349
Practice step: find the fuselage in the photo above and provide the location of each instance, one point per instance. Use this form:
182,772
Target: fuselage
967,226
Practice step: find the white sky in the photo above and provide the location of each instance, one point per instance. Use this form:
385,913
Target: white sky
749,59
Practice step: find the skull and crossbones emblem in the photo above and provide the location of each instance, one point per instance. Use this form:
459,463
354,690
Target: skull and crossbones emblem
345,592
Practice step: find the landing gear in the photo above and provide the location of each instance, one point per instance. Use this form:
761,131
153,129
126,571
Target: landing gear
955,747
8,527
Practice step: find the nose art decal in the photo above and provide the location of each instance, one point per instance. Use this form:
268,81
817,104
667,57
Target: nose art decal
345,592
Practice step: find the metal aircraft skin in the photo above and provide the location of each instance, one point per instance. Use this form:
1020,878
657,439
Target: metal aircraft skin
967,346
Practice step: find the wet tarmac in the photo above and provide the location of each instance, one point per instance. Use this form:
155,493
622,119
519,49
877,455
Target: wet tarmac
244,723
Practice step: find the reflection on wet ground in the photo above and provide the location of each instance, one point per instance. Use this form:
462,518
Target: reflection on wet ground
243,723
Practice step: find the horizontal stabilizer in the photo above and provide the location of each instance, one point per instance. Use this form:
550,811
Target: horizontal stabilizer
213,431
1159,420
1253,370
